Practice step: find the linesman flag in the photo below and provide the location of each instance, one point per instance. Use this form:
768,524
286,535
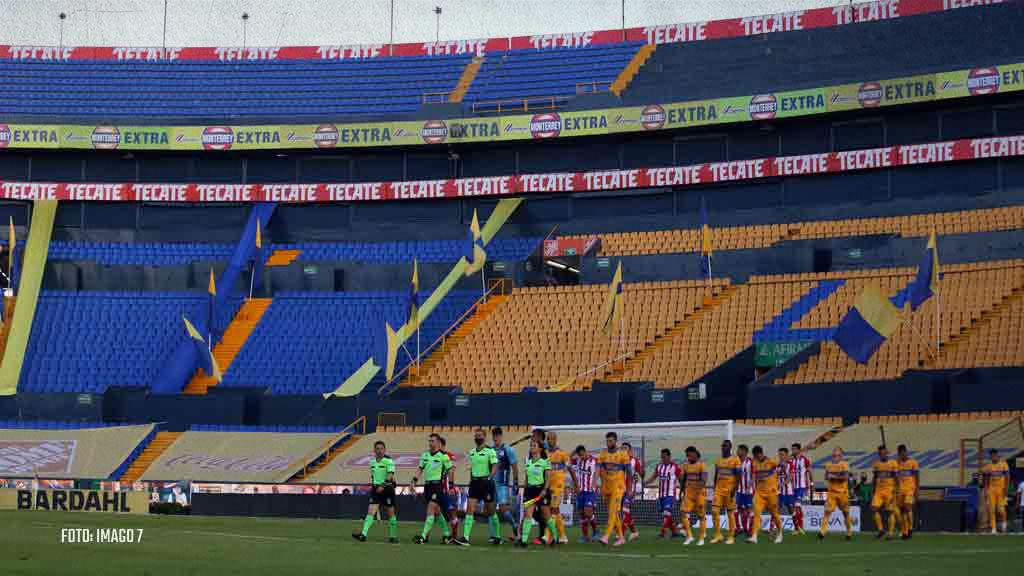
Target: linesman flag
612,311
206,360
475,254
927,282
414,296
871,321
705,240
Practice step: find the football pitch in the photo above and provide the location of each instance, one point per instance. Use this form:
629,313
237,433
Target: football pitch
31,544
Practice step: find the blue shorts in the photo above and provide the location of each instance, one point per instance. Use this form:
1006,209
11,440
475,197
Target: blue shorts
744,500
502,495
667,504
586,500
787,500
627,501
799,494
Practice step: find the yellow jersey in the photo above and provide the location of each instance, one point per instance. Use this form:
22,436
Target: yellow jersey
885,475
908,473
559,461
613,468
996,476
728,471
695,477
766,480
837,477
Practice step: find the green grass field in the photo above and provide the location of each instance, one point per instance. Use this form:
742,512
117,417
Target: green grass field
31,544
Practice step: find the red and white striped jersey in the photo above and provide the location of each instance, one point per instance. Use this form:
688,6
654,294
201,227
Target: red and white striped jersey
638,474
668,479
746,483
785,482
586,473
798,467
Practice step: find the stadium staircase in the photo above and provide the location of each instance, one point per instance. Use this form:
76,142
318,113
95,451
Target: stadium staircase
282,257
452,341
321,462
632,68
721,294
466,80
161,442
231,342
976,326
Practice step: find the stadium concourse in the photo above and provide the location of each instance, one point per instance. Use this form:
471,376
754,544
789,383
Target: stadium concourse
605,284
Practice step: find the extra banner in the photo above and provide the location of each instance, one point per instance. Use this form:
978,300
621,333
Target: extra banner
75,501
529,184
547,125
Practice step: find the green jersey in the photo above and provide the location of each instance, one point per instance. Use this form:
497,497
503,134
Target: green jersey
481,460
535,470
381,469
435,466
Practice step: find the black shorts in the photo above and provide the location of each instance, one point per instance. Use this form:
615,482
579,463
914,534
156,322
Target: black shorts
532,492
432,492
481,490
386,497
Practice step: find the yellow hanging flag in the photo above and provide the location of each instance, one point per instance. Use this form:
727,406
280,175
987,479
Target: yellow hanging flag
259,236
612,312
212,288
476,255
12,240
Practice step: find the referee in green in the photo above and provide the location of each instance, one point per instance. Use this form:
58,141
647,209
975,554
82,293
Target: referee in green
483,465
434,466
382,495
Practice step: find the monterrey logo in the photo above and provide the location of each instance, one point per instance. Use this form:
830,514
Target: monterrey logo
652,117
218,138
434,131
547,125
981,81
870,94
763,107
325,136
5,135
105,137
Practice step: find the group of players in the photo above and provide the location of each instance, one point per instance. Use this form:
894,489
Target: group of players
744,486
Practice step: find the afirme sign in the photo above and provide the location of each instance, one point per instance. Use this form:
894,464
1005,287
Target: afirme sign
75,501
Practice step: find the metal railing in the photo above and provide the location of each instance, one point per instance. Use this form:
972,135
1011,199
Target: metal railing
592,87
497,285
435,97
518,104
325,448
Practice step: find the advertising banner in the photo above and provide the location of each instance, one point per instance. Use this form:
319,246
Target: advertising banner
544,125
75,501
772,354
523,184
68,453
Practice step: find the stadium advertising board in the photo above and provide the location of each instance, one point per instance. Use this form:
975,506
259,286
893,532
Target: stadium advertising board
673,33
75,501
545,125
528,184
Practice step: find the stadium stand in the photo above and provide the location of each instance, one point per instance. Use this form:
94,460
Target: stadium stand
307,343
69,452
763,236
233,456
88,341
195,90
171,254
532,79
